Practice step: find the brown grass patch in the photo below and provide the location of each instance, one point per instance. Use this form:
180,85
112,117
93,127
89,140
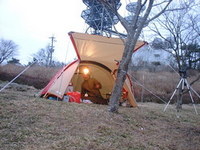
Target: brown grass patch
161,84
36,76
30,123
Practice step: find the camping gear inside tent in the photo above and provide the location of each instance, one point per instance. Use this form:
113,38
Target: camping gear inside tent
99,54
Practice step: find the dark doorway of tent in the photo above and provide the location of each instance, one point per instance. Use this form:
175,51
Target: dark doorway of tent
70,79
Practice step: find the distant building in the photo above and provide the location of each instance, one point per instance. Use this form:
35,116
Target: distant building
152,59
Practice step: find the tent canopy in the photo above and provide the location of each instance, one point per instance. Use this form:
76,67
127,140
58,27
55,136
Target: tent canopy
101,49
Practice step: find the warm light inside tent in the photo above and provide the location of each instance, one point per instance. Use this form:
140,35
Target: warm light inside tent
86,71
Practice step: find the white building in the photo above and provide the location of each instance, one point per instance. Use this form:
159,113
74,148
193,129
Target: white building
147,57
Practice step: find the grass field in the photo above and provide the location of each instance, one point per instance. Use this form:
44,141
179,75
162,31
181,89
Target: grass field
32,123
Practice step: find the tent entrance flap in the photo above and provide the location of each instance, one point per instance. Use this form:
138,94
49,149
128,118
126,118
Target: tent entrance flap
58,88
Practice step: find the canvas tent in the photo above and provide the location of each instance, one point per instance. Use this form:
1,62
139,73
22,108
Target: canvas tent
99,54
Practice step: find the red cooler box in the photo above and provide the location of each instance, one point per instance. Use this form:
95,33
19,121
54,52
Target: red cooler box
74,97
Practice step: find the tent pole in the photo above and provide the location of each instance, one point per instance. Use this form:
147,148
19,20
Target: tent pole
17,76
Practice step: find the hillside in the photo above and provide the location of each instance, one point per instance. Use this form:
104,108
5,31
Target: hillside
31,123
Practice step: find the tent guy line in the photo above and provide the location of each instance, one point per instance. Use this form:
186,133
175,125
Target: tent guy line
138,83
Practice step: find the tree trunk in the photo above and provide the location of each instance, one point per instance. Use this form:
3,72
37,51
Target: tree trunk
121,75
133,29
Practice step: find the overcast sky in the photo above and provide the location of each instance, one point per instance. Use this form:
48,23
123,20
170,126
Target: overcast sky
30,23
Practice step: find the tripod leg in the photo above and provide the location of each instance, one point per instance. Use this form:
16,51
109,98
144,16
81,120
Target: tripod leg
173,94
191,97
180,96
179,100
194,91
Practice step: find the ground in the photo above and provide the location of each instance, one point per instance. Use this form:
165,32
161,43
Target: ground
31,123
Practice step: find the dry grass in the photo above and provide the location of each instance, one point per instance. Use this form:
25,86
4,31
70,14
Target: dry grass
36,76
33,71
30,123
162,84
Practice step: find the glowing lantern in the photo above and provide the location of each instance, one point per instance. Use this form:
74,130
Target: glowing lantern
86,71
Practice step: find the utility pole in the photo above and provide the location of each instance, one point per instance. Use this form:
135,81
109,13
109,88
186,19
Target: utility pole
51,50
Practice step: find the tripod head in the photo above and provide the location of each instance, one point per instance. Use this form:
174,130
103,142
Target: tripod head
183,72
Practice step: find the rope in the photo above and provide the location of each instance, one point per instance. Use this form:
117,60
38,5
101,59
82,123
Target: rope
18,75
173,69
66,58
140,84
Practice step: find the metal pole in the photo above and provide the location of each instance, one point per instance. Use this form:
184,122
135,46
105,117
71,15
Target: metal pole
17,76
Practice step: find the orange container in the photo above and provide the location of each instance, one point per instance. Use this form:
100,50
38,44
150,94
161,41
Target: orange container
74,97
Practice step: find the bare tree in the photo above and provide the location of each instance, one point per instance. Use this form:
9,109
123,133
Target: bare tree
43,56
192,55
195,22
195,18
175,28
8,49
141,16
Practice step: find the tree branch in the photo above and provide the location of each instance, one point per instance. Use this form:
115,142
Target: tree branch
162,11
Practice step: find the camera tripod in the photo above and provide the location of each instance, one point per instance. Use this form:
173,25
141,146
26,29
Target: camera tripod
181,85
